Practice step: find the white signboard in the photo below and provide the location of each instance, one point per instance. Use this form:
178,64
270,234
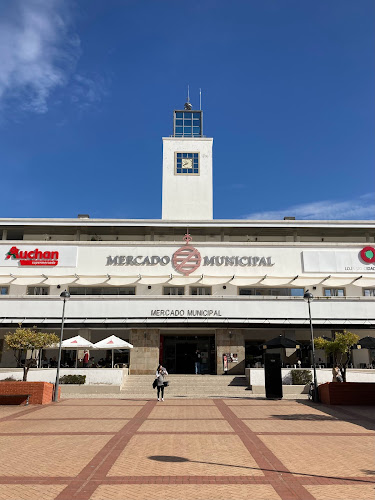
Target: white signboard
37,256
335,262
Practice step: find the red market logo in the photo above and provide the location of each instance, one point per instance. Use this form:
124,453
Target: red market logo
34,257
187,258
368,255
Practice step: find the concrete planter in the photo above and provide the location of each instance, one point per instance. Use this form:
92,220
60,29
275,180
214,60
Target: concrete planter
41,393
347,393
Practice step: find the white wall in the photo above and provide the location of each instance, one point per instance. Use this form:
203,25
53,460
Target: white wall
187,197
107,376
323,376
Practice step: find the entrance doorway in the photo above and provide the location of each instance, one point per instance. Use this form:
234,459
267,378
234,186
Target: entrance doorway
178,354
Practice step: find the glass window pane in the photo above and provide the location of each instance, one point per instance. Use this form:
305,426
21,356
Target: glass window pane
340,292
178,130
196,115
179,122
179,115
127,290
296,292
327,292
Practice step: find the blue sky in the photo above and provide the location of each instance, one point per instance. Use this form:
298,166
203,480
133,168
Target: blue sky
88,87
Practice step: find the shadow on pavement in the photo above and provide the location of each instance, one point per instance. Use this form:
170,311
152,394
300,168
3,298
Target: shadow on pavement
176,459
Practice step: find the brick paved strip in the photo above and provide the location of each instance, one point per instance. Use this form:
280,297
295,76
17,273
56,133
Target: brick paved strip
187,480
351,413
188,432
232,480
283,433
57,433
22,412
35,480
268,462
86,482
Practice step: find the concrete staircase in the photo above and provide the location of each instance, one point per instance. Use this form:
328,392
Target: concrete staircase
189,386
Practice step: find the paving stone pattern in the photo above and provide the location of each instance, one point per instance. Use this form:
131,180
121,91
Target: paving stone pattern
206,449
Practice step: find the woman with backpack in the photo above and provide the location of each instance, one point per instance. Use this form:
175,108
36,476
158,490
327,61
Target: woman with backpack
161,373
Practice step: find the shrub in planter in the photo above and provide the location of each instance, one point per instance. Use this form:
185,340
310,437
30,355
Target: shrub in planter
301,377
73,379
8,379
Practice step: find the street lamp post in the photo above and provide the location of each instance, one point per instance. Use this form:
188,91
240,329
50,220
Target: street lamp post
309,297
64,296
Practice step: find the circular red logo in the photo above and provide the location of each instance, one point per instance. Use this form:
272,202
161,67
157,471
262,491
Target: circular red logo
368,254
187,258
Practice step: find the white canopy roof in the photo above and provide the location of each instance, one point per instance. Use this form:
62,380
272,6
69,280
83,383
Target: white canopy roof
27,280
365,282
245,281
276,281
183,280
59,280
122,280
4,280
91,280
77,342
337,281
113,342
154,280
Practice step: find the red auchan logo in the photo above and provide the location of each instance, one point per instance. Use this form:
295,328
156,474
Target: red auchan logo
187,258
34,257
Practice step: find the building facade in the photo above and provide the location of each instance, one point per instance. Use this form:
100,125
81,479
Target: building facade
188,282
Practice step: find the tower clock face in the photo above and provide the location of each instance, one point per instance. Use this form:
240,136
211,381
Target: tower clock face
187,163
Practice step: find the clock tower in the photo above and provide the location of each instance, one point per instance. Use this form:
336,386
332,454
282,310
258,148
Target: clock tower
187,169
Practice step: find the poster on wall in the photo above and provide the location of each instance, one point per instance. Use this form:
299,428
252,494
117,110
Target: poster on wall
225,363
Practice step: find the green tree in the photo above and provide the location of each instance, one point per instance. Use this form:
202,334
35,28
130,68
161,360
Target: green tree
340,348
26,341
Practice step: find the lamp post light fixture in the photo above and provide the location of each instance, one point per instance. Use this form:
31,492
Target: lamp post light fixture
64,296
309,297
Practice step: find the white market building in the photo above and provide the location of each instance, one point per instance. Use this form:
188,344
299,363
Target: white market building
226,287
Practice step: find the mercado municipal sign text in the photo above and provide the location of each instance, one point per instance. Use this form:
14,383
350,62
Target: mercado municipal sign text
139,260
188,259
189,313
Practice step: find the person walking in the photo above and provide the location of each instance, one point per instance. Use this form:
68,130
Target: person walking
198,358
161,373
86,358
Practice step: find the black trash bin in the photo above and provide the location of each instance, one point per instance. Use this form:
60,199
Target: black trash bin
272,375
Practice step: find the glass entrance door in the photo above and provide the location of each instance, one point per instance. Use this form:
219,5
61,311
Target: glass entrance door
179,353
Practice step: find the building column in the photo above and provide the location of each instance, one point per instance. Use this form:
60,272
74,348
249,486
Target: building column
144,357
230,341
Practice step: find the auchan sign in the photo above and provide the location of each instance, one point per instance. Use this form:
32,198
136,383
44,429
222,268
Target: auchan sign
34,257
40,256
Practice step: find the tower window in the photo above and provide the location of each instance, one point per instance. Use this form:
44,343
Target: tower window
187,163
187,124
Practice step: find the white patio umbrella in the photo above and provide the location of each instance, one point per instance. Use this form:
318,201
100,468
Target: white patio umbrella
113,343
77,342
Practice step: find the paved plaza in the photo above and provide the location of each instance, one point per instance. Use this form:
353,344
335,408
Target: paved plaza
180,449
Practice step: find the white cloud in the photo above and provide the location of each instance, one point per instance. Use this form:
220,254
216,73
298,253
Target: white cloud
38,53
361,208
86,91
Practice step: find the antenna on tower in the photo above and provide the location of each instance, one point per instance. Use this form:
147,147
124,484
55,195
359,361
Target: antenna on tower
187,103
200,99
